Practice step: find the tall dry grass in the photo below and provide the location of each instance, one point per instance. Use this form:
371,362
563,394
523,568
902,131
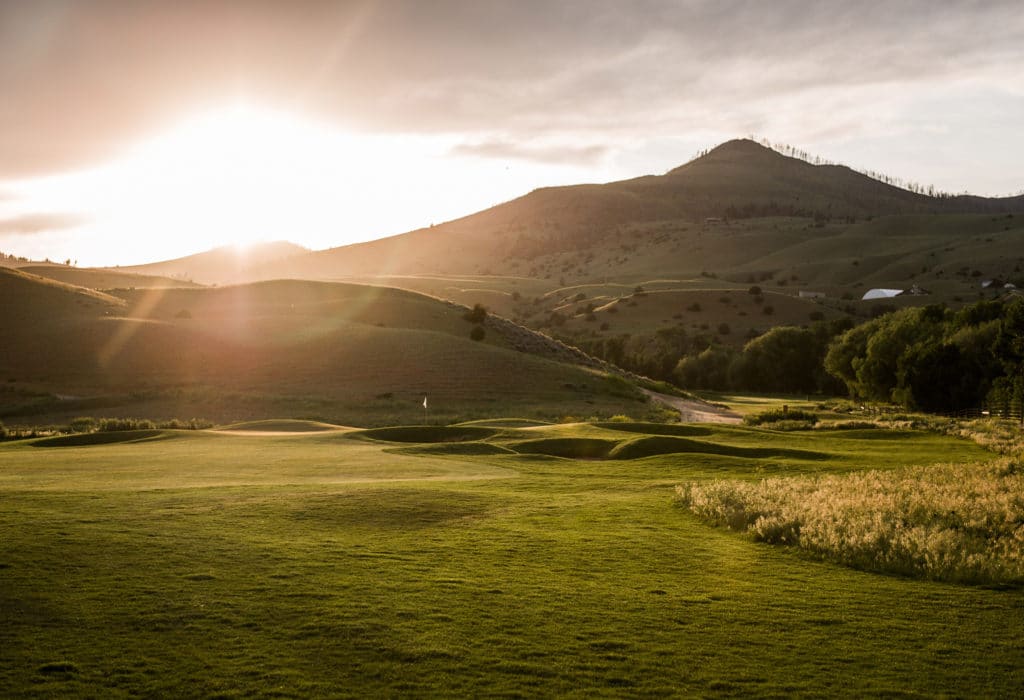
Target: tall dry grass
959,523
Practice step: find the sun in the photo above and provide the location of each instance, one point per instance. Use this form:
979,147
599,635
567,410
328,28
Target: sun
242,173
239,175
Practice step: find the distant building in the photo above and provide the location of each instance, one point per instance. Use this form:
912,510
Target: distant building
916,291
881,294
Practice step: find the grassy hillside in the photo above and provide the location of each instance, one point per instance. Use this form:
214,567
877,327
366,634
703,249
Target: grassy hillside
221,265
30,298
738,216
680,264
391,563
345,354
100,278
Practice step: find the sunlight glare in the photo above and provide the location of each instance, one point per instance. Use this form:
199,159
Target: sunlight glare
241,174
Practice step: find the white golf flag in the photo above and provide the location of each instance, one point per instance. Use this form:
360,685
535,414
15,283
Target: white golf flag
424,402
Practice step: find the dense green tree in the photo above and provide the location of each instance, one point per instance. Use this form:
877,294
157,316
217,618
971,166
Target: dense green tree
878,371
708,369
932,359
786,359
846,353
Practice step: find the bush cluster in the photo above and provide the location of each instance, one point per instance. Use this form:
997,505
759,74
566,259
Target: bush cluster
87,424
777,415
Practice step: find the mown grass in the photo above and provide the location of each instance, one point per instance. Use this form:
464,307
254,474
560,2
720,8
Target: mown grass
232,565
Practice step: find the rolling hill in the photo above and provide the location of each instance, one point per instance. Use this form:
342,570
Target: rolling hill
221,265
659,261
341,353
103,278
30,298
741,213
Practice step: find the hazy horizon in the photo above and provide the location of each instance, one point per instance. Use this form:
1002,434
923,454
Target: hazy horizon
149,131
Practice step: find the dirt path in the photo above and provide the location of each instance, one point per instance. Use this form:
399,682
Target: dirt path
694,411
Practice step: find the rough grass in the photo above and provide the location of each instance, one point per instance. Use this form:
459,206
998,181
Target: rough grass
960,523
317,565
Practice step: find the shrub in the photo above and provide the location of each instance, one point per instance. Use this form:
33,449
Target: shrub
780,414
852,425
82,424
478,314
116,424
191,424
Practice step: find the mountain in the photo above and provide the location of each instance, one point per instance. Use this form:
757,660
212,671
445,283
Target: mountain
738,180
220,265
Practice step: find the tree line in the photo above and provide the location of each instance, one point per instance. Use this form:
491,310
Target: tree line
935,359
928,358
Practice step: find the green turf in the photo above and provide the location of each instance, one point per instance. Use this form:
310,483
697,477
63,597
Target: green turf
233,565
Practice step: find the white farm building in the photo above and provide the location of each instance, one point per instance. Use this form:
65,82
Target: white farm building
881,294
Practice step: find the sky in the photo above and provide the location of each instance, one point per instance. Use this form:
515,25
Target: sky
140,130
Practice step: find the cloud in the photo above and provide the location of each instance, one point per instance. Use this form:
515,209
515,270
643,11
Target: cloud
32,224
508,150
90,75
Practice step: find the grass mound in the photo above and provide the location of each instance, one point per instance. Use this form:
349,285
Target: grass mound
656,428
663,444
454,448
429,433
573,448
282,426
103,438
506,423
